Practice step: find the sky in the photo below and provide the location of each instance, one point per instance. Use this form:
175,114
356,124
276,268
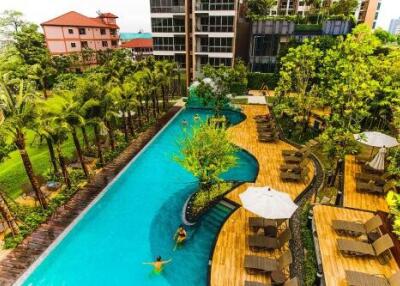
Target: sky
134,15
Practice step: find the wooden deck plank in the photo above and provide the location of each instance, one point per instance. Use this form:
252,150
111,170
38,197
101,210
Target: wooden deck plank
231,247
358,200
333,262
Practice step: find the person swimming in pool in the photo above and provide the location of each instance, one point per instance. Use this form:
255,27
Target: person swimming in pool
158,264
180,235
184,122
196,117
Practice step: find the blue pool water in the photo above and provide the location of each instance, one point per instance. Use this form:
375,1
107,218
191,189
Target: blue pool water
135,221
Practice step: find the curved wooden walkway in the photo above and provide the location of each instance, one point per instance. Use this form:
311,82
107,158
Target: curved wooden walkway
20,258
231,247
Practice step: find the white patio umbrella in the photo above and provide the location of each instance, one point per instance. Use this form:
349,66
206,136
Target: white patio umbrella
378,163
268,203
376,139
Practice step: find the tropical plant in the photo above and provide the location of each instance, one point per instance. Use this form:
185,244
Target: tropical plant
206,152
17,103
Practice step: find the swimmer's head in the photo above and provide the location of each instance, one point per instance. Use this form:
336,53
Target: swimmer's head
158,258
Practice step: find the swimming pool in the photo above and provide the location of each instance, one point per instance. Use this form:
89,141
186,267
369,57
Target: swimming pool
135,220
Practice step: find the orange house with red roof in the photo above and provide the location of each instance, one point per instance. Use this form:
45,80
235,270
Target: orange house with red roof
141,48
72,32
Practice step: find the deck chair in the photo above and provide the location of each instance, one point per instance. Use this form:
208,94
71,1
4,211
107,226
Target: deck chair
355,278
366,178
258,222
354,228
298,153
379,248
256,264
293,159
291,282
261,242
372,188
265,137
293,176
296,168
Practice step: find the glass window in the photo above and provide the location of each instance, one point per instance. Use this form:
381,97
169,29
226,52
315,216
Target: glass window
70,31
84,44
73,45
104,44
82,31
102,31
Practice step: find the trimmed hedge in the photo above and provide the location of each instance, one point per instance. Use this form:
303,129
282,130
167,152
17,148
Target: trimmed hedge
257,80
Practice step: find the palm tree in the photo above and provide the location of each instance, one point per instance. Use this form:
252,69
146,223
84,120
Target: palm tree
17,101
7,215
42,129
69,115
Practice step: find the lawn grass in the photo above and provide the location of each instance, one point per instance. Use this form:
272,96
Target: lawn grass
12,171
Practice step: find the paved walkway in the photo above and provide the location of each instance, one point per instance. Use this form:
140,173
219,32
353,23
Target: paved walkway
19,259
227,264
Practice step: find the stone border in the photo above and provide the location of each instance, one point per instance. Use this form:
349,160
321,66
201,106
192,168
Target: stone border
20,258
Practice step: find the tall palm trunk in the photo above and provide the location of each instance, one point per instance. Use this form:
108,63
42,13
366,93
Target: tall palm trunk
20,143
98,145
63,166
7,215
147,110
139,116
85,137
126,131
164,98
52,155
130,123
110,131
79,152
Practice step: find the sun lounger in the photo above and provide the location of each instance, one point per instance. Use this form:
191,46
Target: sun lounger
374,189
258,264
370,178
291,282
298,153
296,168
260,242
355,278
367,169
354,228
267,138
379,248
258,222
294,176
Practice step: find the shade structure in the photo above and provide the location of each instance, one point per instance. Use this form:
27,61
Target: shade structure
376,139
378,163
268,203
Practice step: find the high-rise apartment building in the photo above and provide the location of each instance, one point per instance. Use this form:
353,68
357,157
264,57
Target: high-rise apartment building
194,32
394,27
368,12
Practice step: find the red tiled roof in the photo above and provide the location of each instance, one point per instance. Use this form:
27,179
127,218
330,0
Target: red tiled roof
138,43
78,20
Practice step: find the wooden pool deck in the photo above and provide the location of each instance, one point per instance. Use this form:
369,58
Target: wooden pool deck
333,262
357,200
231,247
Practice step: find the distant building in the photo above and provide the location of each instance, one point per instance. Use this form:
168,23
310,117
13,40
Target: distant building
72,32
394,27
131,36
368,12
141,48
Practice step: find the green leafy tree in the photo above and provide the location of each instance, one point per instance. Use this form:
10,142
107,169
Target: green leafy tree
17,103
384,36
206,152
344,7
10,23
259,7
297,85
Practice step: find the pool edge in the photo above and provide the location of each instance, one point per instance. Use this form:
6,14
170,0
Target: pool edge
21,279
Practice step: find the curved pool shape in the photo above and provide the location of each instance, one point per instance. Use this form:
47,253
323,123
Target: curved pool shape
135,220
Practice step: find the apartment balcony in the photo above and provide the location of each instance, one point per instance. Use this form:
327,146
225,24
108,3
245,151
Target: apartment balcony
214,29
213,49
168,9
215,6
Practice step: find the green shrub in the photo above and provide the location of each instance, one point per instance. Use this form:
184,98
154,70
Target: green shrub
203,198
257,80
310,261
